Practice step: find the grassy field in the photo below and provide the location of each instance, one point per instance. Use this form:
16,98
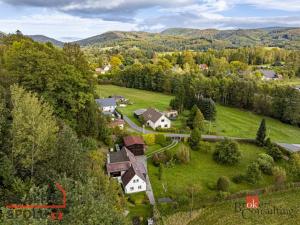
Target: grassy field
202,172
138,206
230,121
225,213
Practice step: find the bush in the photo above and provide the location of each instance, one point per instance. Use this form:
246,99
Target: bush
211,186
253,174
279,175
149,139
275,152
238,178
265,163
89,143
160,139
223,184
170,130
222,195
160,171
227,152
205,147
159,158
183,154
183,199
195,138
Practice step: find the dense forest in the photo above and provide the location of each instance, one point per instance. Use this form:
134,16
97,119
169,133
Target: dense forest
51,131
232,77
180,39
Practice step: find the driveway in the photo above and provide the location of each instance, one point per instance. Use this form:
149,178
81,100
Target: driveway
149,191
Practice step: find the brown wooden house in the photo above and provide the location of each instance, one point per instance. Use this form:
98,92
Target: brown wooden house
135,144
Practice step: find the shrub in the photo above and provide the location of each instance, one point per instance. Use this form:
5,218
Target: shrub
221,195
261,133
205,147
238,178
253,174
227,152
211,186
183,199
223,184
183,154
149,139
195,138
89,143
275,152
160,139
159,158
160,171
279,175
265,163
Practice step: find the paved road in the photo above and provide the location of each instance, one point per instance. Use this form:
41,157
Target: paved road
175,135
149,191
136,127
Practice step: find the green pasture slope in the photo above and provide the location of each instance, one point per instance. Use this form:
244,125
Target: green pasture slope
230,121
286,203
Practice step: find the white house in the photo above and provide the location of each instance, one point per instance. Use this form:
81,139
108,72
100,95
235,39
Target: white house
155,119
103,70
130,172
133,181
107,105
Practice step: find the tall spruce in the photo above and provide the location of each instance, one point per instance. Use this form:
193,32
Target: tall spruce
261,133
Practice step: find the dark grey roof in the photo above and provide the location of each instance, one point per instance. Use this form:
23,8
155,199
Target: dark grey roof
139,112
151,114
120,156
106,102
269,73
130,173
290,147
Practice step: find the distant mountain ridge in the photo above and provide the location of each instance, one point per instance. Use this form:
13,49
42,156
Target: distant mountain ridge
44,39
173,39
197,39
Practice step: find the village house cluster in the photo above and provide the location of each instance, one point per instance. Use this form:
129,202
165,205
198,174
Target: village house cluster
126,167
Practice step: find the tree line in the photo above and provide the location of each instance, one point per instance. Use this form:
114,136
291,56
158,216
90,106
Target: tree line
51,131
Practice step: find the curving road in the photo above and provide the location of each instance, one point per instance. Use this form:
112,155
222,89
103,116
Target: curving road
178,136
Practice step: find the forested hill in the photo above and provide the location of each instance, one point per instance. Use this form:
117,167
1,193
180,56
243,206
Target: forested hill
44,39
2,34
195,39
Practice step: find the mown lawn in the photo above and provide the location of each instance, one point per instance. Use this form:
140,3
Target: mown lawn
202,173
139,206
230,121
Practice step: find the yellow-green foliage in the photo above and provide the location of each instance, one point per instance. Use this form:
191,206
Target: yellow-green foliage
149,139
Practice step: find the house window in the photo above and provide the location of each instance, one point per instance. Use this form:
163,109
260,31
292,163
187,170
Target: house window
166,125
131,188
140,187
162,120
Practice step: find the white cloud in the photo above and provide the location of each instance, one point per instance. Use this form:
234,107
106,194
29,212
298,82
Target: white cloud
62,26
285,5
64,19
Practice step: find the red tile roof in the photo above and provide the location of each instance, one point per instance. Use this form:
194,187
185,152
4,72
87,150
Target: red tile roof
133,140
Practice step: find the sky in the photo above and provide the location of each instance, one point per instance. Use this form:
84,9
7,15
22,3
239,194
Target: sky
68,20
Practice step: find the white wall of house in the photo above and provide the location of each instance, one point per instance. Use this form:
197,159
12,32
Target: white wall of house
136,184
163,122
108,108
